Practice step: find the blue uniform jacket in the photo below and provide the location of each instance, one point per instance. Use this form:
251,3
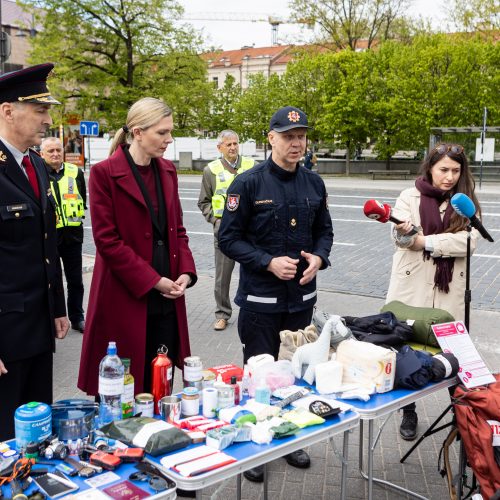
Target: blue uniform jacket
271,212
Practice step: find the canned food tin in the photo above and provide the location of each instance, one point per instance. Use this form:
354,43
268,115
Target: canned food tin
192,368
190,402
144,404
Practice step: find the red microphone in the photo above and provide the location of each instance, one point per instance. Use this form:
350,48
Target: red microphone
382,212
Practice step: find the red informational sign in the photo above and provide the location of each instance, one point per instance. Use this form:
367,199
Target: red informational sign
454,337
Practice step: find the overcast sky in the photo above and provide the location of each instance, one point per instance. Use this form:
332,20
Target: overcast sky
236,34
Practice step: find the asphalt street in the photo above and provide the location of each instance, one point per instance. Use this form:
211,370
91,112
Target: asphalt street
362,249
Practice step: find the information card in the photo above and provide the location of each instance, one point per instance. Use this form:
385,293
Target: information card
454,337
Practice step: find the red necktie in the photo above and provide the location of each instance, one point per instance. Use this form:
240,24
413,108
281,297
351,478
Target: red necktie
30,171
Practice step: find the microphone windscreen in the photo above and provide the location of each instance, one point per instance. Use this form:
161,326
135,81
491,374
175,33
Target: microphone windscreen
377,211
463,205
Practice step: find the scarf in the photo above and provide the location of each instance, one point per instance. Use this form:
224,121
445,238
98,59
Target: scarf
430,200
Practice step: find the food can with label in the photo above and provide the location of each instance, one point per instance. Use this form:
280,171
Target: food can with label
144,404
192,369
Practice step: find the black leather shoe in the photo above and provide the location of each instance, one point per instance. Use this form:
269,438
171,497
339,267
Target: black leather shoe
79,327
299,459
256,475
408,427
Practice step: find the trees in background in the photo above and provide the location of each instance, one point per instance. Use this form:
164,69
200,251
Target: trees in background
109,53
344,23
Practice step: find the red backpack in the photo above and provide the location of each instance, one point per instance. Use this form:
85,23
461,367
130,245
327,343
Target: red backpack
473,409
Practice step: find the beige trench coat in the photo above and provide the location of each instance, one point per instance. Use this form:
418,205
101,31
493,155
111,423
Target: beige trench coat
412,277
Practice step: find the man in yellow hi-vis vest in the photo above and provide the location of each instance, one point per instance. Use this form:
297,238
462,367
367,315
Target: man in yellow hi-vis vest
217,177
67,183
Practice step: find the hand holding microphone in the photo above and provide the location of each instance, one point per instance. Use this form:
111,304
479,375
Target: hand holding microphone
382,212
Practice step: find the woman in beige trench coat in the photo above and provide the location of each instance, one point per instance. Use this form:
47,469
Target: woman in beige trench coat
428,268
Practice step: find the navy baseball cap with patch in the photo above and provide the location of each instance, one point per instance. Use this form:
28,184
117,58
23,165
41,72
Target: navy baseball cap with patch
287,118
27,85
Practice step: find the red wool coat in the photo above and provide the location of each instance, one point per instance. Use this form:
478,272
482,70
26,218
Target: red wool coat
123,275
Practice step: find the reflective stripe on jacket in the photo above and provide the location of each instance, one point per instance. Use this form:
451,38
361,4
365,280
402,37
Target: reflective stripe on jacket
223,179
70,209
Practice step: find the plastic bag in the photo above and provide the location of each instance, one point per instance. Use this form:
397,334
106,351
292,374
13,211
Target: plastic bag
277,374
155,436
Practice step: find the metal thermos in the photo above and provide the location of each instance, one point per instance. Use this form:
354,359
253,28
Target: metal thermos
161,376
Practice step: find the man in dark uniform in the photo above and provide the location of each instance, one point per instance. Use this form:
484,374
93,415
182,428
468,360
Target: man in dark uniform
32,309
276,224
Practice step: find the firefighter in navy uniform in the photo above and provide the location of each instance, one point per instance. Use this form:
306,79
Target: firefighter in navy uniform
32,309
68,187
276,224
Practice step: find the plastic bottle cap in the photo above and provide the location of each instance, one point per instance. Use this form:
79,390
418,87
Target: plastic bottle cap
32,404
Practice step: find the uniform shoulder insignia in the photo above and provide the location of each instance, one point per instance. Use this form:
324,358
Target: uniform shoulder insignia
233,202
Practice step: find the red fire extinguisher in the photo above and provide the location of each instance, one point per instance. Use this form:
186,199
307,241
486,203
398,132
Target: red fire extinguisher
161,376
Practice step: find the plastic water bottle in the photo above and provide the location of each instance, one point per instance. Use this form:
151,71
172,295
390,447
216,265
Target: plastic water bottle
111,379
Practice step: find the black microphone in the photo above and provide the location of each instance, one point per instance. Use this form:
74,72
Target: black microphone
465,207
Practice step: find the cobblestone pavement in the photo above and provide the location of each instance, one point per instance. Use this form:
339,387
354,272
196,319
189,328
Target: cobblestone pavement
355,285
362,251
321,481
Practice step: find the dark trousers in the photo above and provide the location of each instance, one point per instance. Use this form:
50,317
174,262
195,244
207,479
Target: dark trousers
27,380
160,329
260,332
71,256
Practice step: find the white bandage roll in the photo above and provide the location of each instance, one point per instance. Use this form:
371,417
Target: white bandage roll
209,402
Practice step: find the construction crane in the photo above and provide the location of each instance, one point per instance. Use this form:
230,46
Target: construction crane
273,20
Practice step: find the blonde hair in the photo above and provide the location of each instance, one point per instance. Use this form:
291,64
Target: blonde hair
142,114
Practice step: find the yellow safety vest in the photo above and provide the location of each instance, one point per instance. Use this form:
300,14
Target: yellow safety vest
223,179
70,210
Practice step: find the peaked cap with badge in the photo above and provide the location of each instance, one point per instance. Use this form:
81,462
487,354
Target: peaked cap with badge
27,85
288,118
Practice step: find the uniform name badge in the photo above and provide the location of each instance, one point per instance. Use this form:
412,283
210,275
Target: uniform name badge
233,202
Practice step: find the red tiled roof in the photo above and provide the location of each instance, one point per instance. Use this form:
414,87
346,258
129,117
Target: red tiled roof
236,57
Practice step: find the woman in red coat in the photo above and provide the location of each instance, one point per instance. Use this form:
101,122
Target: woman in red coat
143,262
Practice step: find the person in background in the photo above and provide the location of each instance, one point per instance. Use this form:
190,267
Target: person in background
68,187
429,268
276,224
310,160
217,177
32,308
143,261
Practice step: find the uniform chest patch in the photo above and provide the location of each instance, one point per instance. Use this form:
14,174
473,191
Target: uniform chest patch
233,202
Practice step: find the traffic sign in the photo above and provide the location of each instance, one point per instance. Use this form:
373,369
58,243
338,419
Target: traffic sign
89,128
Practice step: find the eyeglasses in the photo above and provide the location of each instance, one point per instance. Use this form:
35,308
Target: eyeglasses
443,149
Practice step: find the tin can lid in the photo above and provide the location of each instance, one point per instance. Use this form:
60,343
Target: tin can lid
192,361
190,391
144,397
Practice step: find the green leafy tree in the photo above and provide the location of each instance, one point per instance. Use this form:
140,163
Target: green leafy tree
109,53
477,15
343,23
257,104
222,106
